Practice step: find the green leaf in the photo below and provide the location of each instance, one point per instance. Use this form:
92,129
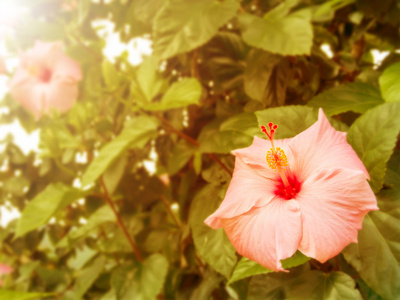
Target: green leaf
213,139
113,175
81,257
389,83
258,72
17,185
373,136
376,256
291,120
212,245
303,284
215,174
143,282
210,282
275,91
152,276
357,96
148,79
392,176
279,31
110,74
84,7
389,201
181,154
182,26
39,211
102,215
247,267
329,7
17,295
87,276
319,285
135,134
245,123
266,77
181,94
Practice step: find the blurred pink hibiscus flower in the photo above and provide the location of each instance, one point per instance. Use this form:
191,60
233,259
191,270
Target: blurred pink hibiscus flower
4,269
46,79
308,193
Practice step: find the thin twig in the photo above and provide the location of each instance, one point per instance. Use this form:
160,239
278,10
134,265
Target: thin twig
171,213
214,157
190,140
119,221
178,132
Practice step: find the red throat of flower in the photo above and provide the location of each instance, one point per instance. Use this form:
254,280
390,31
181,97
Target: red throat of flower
277,161
42,73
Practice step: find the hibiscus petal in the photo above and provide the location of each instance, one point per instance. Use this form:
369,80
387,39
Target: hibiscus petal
61,95
65,67
4,269
31,95
322,147
333,204
267,234
246,190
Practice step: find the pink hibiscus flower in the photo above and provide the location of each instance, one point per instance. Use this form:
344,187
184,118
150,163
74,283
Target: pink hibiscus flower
4,269
46,79
308,193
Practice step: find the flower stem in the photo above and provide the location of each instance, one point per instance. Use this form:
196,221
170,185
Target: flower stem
169,210
119,221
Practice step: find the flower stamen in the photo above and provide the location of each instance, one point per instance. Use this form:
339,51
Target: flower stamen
277,160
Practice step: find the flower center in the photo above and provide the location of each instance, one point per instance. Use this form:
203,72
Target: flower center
277,161
288,192
43,74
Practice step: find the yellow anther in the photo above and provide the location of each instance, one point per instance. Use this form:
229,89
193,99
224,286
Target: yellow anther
276,159
33,70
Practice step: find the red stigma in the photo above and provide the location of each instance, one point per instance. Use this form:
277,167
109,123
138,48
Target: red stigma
271,132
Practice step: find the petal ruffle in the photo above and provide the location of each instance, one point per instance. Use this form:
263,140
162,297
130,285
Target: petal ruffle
246,190
322,147
333,204
267,234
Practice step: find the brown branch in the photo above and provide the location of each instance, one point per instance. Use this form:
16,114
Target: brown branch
190,140
193,67
119,221
214,157
171,213
173,129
